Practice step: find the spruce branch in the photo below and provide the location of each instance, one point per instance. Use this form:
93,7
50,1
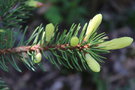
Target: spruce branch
73,50
79,48
13,13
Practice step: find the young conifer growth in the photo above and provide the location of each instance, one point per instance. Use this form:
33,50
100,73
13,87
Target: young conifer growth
74,41
117,43
38,58
33,3
93,25
49,31
92,63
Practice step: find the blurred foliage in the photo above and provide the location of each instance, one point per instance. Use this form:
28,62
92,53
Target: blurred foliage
3,85
66,11
131,19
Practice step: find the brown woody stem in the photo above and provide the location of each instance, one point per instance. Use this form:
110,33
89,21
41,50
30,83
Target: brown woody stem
38,47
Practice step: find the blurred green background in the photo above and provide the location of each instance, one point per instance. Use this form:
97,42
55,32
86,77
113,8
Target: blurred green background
118,71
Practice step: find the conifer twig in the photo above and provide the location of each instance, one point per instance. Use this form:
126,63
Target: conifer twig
38,47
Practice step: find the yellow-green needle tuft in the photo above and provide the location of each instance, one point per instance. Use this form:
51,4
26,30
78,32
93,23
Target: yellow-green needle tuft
49,31
92,63
38,58
93,25
74,41
117,43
